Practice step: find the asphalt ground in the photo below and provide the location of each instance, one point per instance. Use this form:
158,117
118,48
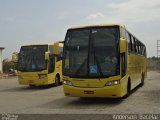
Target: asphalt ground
49,102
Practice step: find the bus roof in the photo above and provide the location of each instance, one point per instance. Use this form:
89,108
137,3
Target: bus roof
34,44
43,43
96,25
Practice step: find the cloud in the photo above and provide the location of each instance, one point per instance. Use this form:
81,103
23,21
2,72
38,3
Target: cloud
95,16
130,11
137,10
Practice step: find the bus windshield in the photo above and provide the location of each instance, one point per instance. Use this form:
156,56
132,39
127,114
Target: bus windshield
32,58
92,52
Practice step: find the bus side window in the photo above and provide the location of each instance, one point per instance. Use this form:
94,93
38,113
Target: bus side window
129,42
137,46
51,65
51,49
145,52
133,44
140,50
123,64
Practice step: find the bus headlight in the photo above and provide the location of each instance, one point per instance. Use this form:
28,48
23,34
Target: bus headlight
42,76
111,83
66,82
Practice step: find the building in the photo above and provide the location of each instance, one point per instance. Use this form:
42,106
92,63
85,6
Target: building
1,65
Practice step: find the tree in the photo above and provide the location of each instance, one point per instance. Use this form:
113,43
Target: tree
7,65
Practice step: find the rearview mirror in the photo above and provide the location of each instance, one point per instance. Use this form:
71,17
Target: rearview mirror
47,55
123,44
56,48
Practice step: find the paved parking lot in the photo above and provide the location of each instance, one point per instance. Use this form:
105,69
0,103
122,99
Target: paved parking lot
18,99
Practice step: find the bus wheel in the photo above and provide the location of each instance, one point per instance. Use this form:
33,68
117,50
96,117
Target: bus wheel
32,86
57,80
142,81
128,89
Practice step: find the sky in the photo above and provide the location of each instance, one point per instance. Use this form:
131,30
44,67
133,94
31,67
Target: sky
43,21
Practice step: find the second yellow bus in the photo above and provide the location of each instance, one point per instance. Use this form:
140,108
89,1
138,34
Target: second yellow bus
39,65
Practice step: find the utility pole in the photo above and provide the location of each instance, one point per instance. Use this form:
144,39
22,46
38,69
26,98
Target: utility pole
1,65
158,48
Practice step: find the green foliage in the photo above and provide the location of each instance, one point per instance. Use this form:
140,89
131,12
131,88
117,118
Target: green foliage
8,65
153,63
14,57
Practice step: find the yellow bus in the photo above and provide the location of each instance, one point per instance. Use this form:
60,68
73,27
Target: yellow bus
39,65
102,61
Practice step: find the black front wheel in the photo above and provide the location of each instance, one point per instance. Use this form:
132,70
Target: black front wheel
57,80
32,86
142,81
128,90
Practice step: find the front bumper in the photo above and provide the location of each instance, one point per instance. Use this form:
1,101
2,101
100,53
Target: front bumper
106,91
35,81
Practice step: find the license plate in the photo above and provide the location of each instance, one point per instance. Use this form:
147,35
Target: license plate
88,92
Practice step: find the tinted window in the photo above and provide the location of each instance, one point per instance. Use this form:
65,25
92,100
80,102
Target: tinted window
133,44
31,58
91,52
51,49
76,52
129,42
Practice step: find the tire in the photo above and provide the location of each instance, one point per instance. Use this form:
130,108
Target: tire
57,80
85,98
128,90
32,86
142,81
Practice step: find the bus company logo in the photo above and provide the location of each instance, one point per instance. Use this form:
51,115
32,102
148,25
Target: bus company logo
9,117
136,117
